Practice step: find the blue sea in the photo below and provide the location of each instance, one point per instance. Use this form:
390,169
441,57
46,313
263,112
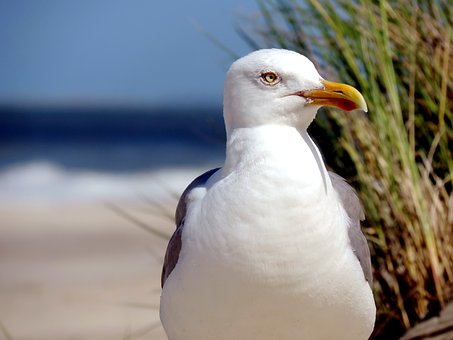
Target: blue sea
69,154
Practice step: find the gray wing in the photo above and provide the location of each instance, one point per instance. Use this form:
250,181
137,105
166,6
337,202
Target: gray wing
174,245
351,204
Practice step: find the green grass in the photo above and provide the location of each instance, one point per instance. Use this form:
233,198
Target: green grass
399,54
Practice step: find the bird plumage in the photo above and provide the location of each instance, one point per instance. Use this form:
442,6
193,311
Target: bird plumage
269,246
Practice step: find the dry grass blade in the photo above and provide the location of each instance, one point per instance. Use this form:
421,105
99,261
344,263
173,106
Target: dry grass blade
4,331
143,225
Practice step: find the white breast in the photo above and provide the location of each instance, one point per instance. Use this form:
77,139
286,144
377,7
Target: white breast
265,252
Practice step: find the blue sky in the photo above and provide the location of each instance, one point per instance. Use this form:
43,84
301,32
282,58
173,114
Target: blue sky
140,52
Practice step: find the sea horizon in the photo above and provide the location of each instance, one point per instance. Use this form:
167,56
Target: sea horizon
74,153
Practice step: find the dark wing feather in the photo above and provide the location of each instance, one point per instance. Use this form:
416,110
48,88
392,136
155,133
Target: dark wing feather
174,245
353,207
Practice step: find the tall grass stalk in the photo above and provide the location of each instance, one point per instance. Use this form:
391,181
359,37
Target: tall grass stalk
400,55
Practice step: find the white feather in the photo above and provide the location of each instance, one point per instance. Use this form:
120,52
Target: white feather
265,251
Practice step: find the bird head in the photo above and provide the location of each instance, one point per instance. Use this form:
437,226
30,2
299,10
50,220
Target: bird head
274,86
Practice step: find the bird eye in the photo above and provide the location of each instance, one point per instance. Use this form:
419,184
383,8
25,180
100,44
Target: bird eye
269,78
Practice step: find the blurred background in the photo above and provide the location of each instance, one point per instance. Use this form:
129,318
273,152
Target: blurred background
107,109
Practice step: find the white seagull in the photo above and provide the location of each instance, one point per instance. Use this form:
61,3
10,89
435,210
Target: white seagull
269,246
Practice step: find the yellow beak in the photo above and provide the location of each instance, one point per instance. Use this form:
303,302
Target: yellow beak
337,95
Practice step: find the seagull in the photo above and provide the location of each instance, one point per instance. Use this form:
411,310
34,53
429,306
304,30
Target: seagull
269,246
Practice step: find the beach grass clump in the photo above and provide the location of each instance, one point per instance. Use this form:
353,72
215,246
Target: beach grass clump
399,54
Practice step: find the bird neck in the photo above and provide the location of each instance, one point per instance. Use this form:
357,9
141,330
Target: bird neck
282,150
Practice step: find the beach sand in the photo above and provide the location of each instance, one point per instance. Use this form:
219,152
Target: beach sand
80,271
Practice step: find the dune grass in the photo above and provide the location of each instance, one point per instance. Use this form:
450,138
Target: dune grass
399,54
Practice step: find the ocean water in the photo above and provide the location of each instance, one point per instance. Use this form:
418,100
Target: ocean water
79,154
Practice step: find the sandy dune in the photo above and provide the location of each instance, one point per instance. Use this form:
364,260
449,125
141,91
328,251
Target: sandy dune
79,271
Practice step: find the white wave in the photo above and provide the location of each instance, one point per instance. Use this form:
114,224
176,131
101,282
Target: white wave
46,182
